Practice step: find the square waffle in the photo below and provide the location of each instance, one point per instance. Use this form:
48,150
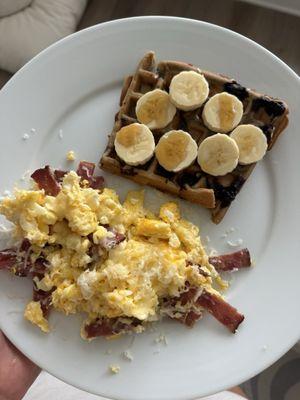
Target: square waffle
213,192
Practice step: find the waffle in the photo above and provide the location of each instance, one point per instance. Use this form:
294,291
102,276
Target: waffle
215,193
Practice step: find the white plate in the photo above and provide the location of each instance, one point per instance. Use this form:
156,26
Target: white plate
74,86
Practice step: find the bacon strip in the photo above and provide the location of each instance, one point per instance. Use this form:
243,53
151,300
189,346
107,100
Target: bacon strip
19,259
97,182
232,261
45,299
39,268
222,311
45,179
86,170
109,327
190,318
59,175
8,258
109,243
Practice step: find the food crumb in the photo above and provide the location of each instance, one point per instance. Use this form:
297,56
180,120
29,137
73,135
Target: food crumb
25,136
33,130
114,369
161,339
238,243
60,134
71,155
25,176
127,355
212,252
207,239
7,193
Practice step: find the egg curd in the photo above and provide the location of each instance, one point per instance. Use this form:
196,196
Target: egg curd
104,258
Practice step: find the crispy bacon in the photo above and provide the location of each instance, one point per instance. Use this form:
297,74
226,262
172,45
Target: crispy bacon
45,299
192,313
86,170
222,311
232,261
25,245
97,182
8,258
19,260
109,327
46,180
190,318
188,296
16,259
109,243
59,175
39,268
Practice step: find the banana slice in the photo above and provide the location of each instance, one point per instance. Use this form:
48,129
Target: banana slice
218,154
223,112
252,143
188,90
155,109
176,150
135,144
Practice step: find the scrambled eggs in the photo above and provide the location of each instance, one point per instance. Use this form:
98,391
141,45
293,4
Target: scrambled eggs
157,255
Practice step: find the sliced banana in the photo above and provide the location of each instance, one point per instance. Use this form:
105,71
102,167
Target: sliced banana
223,112
135,144
252,143
218,154
176,150
188,90
155,109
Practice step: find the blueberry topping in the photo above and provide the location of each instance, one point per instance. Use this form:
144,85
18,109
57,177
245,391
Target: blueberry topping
268,130
236,89
271,107
163,172
188,178
128,170
226,194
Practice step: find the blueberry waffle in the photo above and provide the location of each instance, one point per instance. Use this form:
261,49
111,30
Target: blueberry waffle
192,183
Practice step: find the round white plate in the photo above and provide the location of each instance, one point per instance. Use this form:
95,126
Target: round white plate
69,95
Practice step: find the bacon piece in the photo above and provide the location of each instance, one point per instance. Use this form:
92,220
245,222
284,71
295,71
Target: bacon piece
109,327
45,179
8,258
16,259
25,245
222,311
188,296
59,175
86,170
232,261
39,268
109,243
45,299
97,182
190,318
19,259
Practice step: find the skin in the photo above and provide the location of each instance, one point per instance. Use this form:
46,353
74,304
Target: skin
17,372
